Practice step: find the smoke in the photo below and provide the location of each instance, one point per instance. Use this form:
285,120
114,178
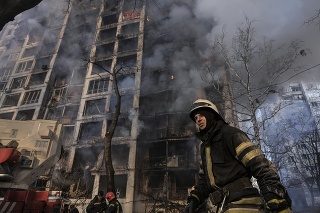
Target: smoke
177,46
279,21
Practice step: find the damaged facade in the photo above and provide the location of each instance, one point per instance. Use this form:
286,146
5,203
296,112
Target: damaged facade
57,69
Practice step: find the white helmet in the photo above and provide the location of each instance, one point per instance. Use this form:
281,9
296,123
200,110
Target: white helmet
203,103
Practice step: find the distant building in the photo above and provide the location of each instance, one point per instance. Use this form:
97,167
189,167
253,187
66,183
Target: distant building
284,133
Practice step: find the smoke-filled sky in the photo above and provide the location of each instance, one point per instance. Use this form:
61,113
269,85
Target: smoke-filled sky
281,21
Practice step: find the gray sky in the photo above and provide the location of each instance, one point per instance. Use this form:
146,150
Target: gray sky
280,20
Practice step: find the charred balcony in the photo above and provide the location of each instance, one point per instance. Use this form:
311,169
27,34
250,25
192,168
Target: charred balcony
172,185
174,132
174,162
170,155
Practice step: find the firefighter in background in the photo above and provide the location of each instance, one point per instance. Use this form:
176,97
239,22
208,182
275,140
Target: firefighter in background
114,205
97,204
228,161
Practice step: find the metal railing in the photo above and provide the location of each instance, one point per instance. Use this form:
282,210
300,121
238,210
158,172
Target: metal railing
176,161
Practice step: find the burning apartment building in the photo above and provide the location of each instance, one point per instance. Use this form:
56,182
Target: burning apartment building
55,63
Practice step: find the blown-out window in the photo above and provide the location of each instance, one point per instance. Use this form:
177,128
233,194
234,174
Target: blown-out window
31,97
24,66
95,107
11,100
98,85
18,82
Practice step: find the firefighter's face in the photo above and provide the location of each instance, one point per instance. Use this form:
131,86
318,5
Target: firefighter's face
201,121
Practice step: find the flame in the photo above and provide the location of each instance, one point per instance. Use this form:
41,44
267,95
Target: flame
172,77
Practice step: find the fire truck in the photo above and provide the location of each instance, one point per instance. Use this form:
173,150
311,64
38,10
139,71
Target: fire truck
28,151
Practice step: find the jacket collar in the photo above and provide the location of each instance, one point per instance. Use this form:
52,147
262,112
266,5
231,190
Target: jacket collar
213,134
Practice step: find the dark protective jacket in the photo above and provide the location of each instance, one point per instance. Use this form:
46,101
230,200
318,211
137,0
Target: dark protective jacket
114,206
227,155
97,205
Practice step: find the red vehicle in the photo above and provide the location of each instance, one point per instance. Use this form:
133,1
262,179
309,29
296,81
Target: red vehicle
28,149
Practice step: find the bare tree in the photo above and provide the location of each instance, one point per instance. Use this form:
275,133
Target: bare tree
117,71
306,158
255,69
315,19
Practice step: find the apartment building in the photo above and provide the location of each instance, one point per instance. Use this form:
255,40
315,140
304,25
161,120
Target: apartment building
56,62
291,139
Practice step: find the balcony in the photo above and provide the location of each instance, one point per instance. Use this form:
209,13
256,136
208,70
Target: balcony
174,194
176,161
169,132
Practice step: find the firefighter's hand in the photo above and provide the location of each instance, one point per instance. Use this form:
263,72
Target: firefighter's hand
192,206
277,204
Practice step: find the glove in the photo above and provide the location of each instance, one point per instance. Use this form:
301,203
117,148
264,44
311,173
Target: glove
192,206
277,204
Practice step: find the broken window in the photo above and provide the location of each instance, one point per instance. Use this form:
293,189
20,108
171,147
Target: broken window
18,82
67,135
7,116
127,63
31,97
25,115
123,127
107,34
24,66
4,74
11,100
42,64
126,102
13,56
73,94
41,143
47,48
126,81
128,45
78,76
95,107
120,156
295,88
37,79
84,160
101,67
105,50
159,79
98,85
120,182
28,52
61,80
130,29
111,19
156,181
2,85
59,94
67,114
90,130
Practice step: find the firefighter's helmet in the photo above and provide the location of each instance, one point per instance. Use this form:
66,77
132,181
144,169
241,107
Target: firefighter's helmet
110,196
204,104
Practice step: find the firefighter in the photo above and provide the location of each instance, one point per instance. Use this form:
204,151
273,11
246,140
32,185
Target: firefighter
97,204
114,205
228,161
